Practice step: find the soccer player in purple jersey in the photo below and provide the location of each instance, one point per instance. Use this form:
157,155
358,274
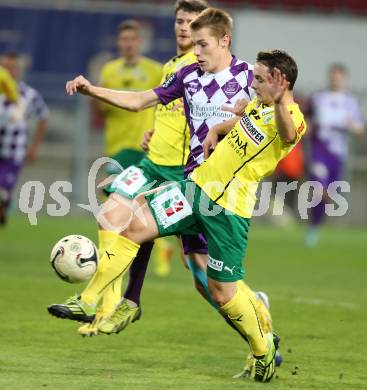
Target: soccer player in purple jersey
334,116
14,151
217,78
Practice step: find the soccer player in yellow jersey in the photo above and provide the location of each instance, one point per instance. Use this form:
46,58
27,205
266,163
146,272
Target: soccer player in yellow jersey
133,72
219,198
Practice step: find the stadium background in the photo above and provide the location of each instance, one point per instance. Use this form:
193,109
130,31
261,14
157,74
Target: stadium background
314,293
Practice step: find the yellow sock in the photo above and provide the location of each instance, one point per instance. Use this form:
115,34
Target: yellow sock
162,256
113,263
111,296
262,311
112,293
241,311
105,239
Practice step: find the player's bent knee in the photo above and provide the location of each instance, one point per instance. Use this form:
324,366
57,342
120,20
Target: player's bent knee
141,229
218,298
221,293
135,232
217,294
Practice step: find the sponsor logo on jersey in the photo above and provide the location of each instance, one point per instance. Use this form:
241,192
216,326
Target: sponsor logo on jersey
169,80
204,111
255,135
231,87
267,111
267,114
237,143
193,86
170,207
215,264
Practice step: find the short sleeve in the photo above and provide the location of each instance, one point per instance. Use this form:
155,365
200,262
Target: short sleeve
299,125
172,88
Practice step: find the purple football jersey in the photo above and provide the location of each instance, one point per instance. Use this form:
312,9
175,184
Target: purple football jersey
204,94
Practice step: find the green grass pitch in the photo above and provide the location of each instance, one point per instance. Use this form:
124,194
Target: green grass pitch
318,301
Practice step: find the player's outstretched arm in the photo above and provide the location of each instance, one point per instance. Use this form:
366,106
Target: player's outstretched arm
132,101
282,97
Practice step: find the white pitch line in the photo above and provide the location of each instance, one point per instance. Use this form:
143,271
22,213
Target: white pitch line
321,302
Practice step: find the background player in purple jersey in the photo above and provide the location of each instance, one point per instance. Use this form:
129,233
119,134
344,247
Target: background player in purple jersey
334,115
14,149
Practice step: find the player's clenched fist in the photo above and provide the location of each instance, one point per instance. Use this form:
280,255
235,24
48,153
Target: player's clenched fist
79,84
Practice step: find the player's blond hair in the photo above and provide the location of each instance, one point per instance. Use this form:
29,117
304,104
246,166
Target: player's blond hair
218,21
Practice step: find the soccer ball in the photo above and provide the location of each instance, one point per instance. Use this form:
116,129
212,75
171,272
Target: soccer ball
74,258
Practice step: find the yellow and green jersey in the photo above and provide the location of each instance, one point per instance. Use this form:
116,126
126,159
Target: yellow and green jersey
248,153
170,142
124,129
8,86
